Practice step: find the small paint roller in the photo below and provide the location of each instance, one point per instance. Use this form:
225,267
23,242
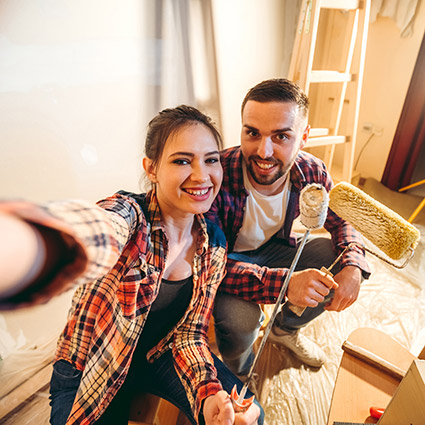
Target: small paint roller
314,201
386,230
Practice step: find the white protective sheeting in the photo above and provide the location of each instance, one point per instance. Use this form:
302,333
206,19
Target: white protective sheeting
28,340
392,301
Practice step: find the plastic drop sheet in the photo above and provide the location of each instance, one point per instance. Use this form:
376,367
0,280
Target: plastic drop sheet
392,300
28,339
291,393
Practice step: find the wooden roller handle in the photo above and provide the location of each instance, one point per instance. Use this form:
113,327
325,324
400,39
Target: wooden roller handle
300,310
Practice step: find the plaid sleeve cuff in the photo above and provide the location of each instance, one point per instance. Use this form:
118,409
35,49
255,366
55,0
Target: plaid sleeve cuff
204,391
252,282
356,257
84,252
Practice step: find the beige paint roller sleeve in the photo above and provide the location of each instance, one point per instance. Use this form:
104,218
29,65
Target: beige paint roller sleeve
391,233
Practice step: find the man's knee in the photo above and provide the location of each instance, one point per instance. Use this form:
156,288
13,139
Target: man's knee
234,316
317,252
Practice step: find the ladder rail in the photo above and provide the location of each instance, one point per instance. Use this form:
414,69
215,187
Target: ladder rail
315,16
301,71
330,150
348,160
297,50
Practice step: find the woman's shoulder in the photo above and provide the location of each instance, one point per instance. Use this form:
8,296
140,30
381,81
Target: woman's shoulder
140,198
215,234
123,200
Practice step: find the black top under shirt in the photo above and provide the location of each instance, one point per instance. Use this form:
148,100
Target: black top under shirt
168,308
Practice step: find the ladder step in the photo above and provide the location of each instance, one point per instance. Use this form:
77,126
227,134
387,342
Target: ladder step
340,4
316,132
338,175
330,77
324,141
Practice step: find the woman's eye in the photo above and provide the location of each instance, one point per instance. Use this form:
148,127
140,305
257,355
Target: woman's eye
181,161
212,160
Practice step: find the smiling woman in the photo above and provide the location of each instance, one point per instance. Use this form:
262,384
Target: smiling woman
188,179
148,268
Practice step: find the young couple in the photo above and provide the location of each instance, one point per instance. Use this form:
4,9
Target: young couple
147,266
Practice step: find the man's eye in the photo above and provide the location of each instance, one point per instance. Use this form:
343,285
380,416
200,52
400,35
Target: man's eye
282,137
252,133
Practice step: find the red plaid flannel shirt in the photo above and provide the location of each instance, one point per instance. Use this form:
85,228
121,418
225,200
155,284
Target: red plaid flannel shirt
121,247
262,284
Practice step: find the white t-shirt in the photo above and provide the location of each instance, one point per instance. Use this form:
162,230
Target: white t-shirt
264,216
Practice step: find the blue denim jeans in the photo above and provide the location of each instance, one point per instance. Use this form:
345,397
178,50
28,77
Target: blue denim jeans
237,322
158,378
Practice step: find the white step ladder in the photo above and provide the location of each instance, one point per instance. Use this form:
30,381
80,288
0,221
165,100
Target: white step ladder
327,63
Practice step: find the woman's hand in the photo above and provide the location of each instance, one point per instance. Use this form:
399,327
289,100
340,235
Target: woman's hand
218,410
22,254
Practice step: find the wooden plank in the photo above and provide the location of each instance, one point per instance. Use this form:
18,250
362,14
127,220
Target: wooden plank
18,396
34,410
373,360
408,404
359,385
167,414
340,4
323,76
317,132
324,141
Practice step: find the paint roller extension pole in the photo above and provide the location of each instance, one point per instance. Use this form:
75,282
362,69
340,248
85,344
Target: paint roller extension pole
314,201
273,316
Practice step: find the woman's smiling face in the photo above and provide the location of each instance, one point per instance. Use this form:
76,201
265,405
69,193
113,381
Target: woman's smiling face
189,174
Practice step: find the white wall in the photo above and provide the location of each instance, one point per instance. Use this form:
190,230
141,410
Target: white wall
389,64
254,42
72,116
74,80
251,43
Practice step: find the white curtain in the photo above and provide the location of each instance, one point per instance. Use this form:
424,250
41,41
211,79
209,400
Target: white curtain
182,59
401,11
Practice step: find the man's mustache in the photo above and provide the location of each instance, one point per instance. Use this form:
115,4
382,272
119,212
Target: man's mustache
270,159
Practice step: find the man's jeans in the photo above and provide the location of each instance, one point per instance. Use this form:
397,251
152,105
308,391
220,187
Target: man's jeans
158,378
237,322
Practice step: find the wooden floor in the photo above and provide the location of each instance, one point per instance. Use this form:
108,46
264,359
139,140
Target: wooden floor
146,410
35,410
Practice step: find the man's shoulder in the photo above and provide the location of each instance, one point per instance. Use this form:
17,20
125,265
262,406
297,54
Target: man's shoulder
231,161
230,155
306,160
309,169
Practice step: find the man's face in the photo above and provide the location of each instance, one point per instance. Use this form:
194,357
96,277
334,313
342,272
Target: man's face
272,135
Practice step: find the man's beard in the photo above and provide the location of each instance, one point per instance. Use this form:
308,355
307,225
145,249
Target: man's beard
280,171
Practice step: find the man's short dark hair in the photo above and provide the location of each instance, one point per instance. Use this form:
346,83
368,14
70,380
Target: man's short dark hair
277,90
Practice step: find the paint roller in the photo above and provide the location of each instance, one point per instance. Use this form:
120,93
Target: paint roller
314,201
390,233
386,230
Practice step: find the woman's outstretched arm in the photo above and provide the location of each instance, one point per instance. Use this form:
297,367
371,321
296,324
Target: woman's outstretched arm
22,254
